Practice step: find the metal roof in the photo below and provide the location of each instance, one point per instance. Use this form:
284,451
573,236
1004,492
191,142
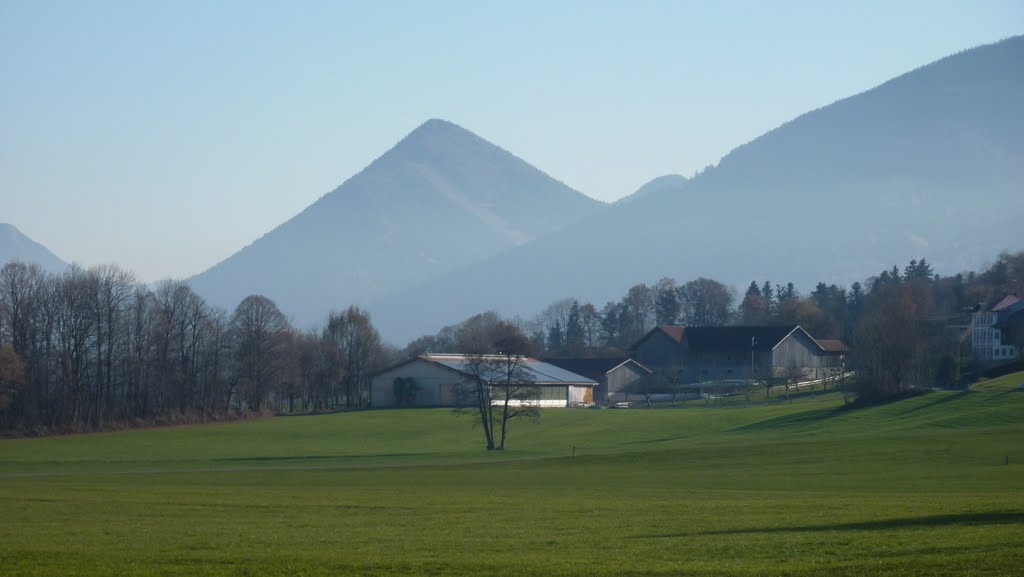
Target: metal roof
491,368
594,368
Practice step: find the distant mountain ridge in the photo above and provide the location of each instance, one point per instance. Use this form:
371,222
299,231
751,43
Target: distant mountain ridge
930,163
14,245
673,183
441,199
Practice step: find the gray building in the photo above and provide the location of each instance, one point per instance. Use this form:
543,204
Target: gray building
697,354
442,380
615,377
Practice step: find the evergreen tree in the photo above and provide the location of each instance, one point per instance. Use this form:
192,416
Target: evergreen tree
754,289
555,337
769,298
855,301
574,329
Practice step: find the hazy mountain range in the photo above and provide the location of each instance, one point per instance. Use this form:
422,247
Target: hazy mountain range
928,164
16,246
445,224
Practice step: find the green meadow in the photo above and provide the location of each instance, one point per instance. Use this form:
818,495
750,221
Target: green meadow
932,485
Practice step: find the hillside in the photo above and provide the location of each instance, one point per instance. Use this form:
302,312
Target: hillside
440,199
929,164
16,246
668,184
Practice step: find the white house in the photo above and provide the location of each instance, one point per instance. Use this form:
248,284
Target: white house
987,343
441,380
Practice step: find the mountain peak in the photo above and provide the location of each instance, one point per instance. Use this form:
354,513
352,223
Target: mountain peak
440,199
14,245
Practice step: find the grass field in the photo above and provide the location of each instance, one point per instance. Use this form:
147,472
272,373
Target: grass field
916,487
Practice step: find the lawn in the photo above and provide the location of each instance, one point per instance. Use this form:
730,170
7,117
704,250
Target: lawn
916,487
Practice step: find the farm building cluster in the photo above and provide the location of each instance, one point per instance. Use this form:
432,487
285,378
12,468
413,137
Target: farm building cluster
680,355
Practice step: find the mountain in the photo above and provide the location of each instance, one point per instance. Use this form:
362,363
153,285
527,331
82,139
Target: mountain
669,182
16,246
929,164
441,199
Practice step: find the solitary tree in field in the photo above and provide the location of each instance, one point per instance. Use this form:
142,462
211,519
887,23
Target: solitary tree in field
500,388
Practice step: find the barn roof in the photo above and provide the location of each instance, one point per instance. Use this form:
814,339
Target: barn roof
1003,303
594,369
742,338
833,346
531,370
674,332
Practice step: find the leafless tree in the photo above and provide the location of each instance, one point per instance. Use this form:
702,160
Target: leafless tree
501,390
360,350
706,302
257,328
667,306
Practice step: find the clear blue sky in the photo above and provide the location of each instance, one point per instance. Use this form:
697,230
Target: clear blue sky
165,135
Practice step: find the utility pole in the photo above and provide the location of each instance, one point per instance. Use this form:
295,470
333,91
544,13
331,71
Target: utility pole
753,341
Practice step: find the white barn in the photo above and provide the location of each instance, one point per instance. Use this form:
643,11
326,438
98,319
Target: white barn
436,380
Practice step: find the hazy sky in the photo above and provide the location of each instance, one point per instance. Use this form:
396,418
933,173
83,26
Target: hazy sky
164,136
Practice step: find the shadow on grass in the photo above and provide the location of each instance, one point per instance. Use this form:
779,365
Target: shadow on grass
962,519
811,416
271,459
939,400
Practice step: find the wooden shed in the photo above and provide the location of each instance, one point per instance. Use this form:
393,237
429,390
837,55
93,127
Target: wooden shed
614,376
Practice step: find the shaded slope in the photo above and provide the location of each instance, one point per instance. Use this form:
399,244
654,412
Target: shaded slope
16,246
928,164
668,184
442,198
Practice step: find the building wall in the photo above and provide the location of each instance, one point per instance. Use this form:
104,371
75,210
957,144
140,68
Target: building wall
617,380
983,336
987,342
437,385
658,350
798,351
718,365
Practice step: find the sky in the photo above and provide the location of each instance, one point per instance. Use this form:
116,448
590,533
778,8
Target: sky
164,136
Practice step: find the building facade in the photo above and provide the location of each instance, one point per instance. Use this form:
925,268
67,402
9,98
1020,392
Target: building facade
447,380
615,377
698,354
987,337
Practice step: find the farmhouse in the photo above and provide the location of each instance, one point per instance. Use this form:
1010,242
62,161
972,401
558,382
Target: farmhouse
695,354
614,376
988,325
441,380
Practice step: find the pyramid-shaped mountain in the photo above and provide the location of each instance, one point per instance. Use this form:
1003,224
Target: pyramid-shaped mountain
14,245
441,199
928,164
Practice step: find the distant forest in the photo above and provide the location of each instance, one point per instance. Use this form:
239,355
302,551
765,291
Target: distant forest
93,349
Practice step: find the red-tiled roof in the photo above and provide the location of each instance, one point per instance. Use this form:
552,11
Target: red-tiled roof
833,346
674,331
1005,303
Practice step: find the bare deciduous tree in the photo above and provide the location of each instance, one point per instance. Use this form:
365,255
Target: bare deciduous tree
706,302
258,329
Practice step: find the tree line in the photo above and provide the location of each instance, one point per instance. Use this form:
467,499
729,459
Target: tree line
94,348
907,327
